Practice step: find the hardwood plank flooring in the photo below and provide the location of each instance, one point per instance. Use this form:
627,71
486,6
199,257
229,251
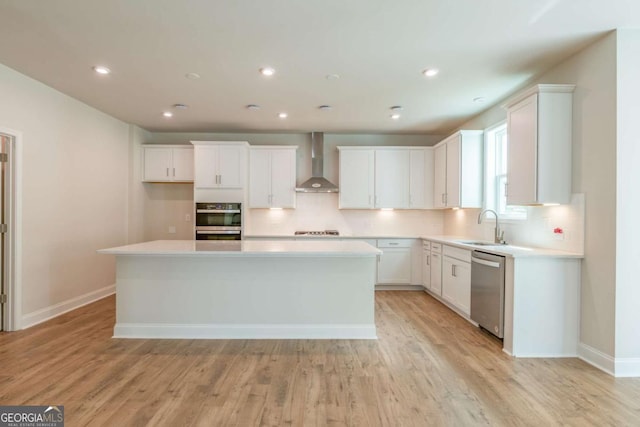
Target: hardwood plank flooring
429,367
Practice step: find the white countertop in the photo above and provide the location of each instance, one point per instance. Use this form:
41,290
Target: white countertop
274,248
513,251
311,237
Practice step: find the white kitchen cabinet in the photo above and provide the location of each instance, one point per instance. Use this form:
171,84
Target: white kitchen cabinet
421,178
456,278
272,177
386,177
220,164
167,163
426,265
436,268
539,145
394,265
356,178
391,178
458,171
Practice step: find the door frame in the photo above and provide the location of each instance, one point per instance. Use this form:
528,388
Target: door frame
13,308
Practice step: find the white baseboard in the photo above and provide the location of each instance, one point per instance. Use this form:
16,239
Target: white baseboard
56,310
177,331
627,367
595,357
402,287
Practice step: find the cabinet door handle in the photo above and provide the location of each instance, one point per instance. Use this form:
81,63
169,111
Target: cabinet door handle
428,261
506,185
453,270
167,171
393,243
369,199
174,171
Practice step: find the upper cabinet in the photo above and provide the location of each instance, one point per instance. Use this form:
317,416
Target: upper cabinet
167,163
272,177
457,181
386,177
539,152
220,164
356,178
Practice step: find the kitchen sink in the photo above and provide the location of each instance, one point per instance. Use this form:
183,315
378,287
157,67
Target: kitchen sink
480,243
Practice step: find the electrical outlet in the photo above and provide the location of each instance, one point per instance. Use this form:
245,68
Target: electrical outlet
187,217
558,233
172,229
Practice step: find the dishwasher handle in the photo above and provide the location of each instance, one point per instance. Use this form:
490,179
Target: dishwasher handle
485,262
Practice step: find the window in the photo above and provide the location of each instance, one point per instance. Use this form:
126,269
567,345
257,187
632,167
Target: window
496,169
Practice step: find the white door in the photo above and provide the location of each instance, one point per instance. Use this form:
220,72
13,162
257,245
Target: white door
356,179
395,266
157,164
426,269
259,178
206,168
230,166
453,172
392,179
462,273
182,164
283,178
440,176
436,273
448,281
522,154
417,180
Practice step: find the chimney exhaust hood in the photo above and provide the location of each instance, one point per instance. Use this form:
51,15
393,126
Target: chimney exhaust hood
317,183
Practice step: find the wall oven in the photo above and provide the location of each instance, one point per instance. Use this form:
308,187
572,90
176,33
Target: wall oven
218,221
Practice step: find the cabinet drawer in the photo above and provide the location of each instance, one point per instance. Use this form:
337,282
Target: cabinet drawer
426,245
394,243
436,247
457,253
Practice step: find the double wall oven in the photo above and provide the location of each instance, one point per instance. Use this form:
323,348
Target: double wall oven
218,221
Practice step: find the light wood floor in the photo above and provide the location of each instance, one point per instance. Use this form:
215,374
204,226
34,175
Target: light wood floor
428,368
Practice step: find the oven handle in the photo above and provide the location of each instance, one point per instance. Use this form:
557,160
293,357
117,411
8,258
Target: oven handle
217,211
485,262
217,232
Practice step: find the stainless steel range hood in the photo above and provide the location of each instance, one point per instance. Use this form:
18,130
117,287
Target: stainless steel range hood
317,183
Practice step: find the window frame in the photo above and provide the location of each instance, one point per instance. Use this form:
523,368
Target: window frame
492,178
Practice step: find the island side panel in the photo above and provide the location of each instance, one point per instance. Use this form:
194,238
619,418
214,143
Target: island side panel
545,309
245,297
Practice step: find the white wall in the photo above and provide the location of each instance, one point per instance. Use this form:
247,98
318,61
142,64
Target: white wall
165,205
74,194
593,70
627,301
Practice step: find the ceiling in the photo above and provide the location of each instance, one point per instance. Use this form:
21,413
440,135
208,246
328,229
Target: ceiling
378,48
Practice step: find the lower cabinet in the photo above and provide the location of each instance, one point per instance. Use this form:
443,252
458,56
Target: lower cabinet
436,273
426,268
394,265
456,278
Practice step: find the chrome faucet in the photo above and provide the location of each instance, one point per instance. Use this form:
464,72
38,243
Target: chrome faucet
499,235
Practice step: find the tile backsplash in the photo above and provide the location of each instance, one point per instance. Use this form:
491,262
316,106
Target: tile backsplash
537,230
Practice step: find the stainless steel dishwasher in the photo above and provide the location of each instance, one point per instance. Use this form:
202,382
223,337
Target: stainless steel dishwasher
487,291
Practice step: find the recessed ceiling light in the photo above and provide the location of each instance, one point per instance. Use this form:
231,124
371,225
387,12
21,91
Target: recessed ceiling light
267,71
192,76
332,76
167,114
253,107
395,116
479,99
325,107
180,106
396,108
101,69
283,115
431,72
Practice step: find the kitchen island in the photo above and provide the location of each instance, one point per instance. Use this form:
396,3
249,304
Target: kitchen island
245,289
